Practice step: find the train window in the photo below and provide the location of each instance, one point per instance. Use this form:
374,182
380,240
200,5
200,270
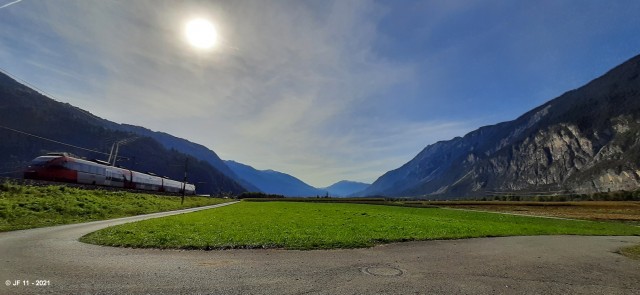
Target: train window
72,166
39,162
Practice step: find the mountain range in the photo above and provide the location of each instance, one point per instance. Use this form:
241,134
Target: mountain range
24,110
345,188
587,140
27,117
584,141
274,182
278,183
190,148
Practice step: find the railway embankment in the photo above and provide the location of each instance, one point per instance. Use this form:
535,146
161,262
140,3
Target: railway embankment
25,206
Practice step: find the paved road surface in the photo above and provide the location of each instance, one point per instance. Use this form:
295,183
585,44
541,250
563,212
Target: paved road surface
513,265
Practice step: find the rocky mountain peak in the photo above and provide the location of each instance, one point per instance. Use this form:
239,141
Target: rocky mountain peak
584,141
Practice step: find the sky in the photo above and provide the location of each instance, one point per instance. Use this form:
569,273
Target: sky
322,90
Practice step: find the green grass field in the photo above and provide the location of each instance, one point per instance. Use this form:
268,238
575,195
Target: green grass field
23,207
324,226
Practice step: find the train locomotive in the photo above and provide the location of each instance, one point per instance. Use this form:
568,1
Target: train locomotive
62,167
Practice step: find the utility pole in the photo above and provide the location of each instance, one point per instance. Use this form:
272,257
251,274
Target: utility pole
184,183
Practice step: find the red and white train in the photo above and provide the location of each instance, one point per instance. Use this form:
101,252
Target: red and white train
64,168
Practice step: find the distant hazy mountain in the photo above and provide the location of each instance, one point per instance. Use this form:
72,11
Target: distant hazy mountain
24,109
587,140
345,188
274,182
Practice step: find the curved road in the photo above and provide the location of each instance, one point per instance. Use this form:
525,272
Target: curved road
513,265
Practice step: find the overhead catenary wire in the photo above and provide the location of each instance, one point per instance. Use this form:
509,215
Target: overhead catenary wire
33,135
55,98
29,84
54,141
15,168
11,172
51,140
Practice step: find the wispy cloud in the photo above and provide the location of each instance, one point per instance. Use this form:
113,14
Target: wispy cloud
281,92
9,4
323,90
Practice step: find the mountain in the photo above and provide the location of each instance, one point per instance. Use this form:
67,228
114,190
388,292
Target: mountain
190,148
587,140
274,182
345,188
26,110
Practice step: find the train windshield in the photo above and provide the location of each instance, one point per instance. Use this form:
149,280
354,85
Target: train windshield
40,161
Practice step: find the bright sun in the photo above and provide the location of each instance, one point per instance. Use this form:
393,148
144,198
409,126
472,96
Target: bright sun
201,33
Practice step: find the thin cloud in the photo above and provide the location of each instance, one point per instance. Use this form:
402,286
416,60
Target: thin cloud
273,96
10,3
323,90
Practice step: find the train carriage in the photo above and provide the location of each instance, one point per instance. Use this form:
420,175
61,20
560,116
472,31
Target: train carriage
173,186
143,181
62,167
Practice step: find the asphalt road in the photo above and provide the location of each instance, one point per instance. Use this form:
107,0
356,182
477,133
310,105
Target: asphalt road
513,265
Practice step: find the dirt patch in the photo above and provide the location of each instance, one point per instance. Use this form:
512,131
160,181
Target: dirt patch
627,212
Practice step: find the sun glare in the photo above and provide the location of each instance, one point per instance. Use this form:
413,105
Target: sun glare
201,33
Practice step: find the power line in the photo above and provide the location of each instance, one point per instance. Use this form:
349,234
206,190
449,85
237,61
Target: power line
13,167
10,172
55,141
44,138
24,82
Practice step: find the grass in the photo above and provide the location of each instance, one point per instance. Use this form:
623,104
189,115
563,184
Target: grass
620,211
327,225
23,206
631,252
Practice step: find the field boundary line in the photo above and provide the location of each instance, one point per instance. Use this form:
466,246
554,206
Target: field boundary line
514,214
163,213
124,219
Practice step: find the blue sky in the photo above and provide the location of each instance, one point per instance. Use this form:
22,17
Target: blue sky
322,90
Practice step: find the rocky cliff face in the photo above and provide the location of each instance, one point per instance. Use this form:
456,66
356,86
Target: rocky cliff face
585,141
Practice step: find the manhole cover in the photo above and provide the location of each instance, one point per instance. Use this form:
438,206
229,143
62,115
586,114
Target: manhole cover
382,271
